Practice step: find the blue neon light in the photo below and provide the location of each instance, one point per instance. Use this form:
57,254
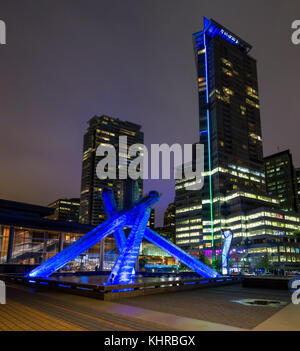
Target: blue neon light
209,148
111,209
212,29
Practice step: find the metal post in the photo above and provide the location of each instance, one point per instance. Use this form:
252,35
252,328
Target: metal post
2,293
10,244
44,248
61,242
137,264
1,241
101,265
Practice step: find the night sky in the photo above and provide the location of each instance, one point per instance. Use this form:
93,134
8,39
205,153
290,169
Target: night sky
67,60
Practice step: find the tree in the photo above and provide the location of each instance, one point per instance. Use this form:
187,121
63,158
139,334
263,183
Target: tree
183,267
204,259
264,263
218,263
296,234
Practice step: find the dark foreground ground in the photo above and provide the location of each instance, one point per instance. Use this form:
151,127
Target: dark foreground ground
215,304
199,309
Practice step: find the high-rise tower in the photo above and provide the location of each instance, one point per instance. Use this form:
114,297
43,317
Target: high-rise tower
298,186
281,180
105,130
234,194
229,118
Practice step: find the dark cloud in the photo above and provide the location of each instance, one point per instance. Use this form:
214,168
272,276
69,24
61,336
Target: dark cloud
66,61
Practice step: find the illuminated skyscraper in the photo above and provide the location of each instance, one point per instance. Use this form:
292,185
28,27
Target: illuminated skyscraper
169,221
230,125
104,130
151,222
281,180
169,216
298,186
66,210
188,215
234,194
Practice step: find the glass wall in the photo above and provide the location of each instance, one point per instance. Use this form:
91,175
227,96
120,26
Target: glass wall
4,237
32,246
35,246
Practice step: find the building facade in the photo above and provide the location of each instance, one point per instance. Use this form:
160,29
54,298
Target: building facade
28,237
229,118
103,130
281,180
188,215
66,210
298,186
169,216
266,231
230,129
151,222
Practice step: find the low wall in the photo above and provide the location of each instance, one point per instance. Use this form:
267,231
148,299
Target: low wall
277,283
114,292
17,268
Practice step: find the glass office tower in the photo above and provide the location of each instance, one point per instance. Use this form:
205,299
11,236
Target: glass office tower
234,195
281,180
230,126
104,130
107,130
66,210
298,186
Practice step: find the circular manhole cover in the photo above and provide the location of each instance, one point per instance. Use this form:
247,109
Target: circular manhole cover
261,302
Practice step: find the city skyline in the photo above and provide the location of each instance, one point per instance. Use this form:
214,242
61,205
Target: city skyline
51,116
234,191
102,104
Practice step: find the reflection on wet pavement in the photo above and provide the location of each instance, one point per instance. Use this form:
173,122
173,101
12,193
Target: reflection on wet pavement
101,279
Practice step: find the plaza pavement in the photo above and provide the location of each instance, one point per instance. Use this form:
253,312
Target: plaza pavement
206,309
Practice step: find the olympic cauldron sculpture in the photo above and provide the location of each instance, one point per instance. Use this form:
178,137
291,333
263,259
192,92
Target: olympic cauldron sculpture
134,216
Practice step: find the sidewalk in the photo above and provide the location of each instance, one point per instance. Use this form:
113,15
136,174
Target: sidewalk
15,316
287,319
205,310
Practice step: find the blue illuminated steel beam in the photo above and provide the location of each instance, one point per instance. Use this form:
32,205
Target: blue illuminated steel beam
226,250
181,255
119,219
123,270
135,216
110,207
172,249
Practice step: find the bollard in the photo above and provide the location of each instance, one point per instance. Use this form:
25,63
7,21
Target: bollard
2,293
